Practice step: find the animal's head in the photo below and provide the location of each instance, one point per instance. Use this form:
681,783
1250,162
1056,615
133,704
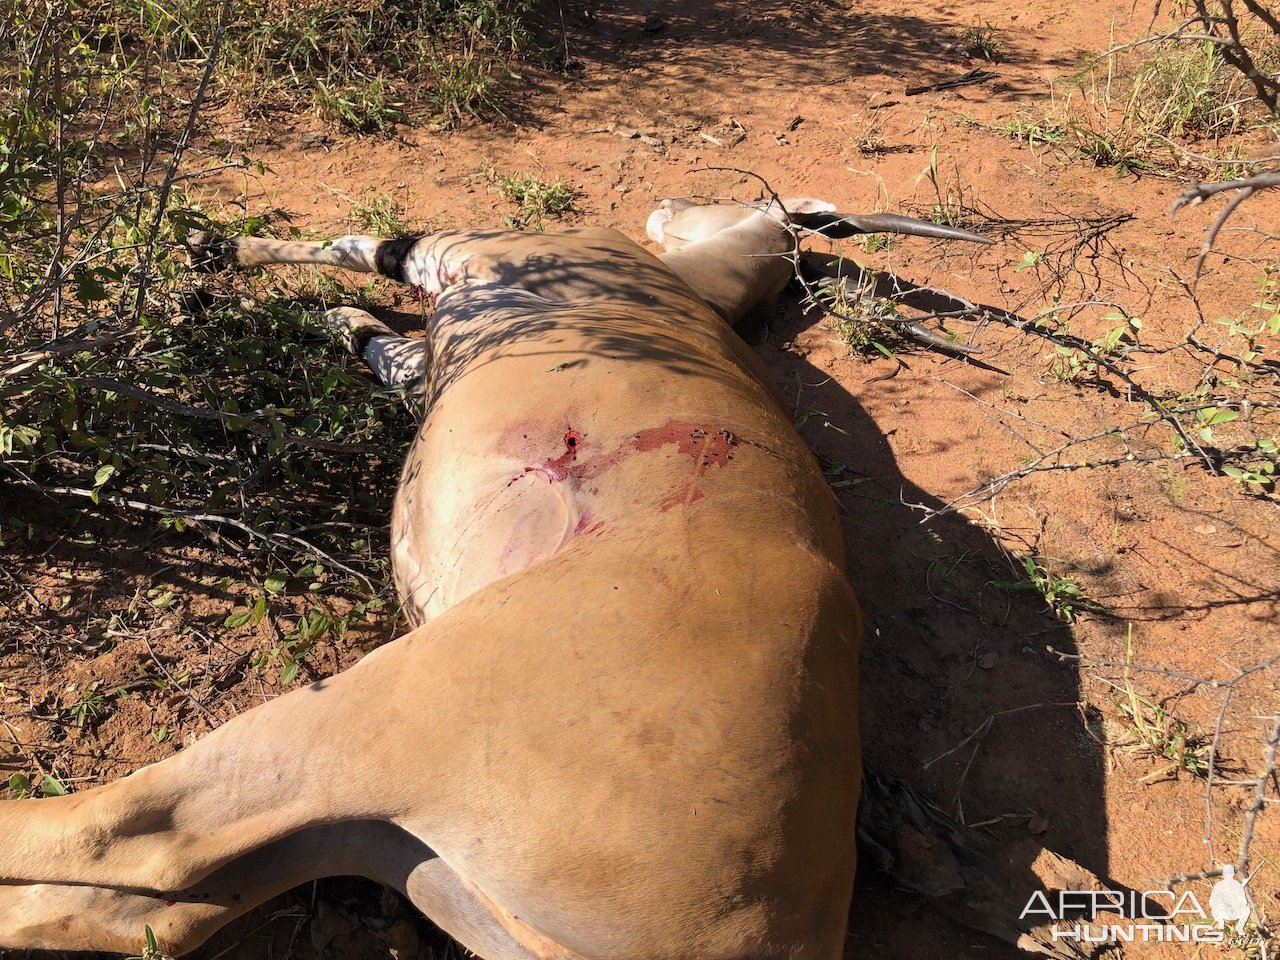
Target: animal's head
737,256
677,223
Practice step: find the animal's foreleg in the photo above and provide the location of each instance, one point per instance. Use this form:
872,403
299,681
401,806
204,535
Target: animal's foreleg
354,252
394,360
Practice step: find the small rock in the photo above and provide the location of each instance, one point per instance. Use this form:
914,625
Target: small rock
653,23
1037,825
988,660
315,139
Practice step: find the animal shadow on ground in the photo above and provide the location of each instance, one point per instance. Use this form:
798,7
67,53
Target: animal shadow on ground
960,698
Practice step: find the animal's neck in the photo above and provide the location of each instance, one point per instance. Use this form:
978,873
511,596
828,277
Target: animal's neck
738,267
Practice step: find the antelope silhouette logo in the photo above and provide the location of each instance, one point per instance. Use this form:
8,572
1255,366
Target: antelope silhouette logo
1228,902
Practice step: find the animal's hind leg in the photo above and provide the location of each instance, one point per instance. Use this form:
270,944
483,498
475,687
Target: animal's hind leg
172,824
394,360
82,917
66,917
186,844
458,909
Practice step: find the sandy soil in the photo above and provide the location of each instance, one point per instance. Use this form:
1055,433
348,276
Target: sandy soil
974,694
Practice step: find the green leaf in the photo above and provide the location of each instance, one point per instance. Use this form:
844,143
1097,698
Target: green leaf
51,787
89,290
1030,260
274,583
1211,416
237,619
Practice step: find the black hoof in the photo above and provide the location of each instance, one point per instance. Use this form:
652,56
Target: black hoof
210,252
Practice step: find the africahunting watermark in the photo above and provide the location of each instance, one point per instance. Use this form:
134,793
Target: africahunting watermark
1146,916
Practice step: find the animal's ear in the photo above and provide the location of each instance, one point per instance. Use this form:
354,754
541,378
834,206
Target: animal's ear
657,220
807,205
667,210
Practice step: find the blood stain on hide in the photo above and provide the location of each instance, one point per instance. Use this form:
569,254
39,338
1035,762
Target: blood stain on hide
705,446
556,468
585,525
695,442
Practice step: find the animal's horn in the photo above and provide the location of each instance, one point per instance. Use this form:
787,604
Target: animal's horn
839,226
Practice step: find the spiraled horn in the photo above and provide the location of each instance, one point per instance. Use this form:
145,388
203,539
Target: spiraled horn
839,226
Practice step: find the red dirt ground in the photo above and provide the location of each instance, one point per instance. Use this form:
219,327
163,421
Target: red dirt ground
964,695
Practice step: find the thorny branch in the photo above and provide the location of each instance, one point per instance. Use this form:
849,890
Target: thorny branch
1234,50
1244,189
175,159
1267,776
169,405
201,521
1216,22
1210,682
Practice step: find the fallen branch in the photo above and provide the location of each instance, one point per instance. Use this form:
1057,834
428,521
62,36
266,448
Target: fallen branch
58,348
976,75
197,519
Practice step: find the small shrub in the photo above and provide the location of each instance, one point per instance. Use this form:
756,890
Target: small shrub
982,42
537,198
